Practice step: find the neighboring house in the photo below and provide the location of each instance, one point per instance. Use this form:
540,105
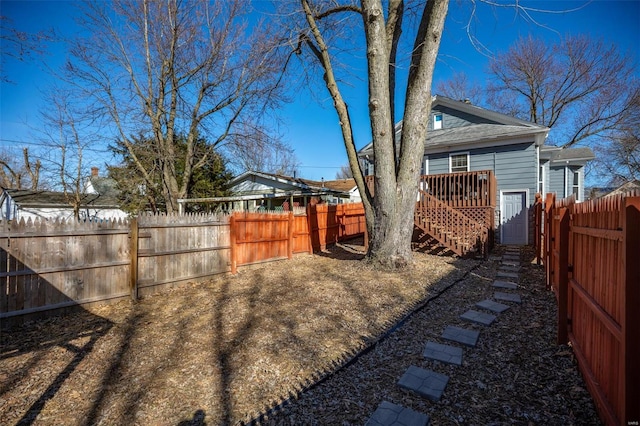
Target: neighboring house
253,191
632,185
16,204
95,184
463,138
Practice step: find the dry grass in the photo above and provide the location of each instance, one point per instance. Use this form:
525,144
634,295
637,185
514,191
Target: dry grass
223,351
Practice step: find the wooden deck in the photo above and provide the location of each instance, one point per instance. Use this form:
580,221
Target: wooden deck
457,210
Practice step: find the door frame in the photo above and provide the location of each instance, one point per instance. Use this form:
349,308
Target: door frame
526,210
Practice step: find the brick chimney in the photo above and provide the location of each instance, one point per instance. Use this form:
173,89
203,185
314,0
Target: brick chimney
94,172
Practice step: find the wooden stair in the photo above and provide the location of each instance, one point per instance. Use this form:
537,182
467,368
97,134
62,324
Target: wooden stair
451,228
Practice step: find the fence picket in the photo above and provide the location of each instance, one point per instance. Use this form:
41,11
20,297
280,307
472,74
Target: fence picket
599,313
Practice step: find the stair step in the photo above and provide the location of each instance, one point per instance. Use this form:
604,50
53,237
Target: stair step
425,383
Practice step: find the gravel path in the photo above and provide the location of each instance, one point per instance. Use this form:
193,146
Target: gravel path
516,374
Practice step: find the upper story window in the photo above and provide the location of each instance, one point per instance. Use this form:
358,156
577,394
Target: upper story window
437,121
459,162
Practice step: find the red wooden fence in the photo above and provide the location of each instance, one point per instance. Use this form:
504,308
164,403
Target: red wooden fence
592,259
260,237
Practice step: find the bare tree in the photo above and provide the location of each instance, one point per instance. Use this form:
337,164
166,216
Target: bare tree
254,149
344,172
390,213
618,152
189,68
579,87
459,87
67,131
21,45
14,174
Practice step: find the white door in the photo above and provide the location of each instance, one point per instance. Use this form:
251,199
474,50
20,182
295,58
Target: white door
513,229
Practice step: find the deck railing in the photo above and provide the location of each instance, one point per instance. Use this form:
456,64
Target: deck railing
463,189
458,190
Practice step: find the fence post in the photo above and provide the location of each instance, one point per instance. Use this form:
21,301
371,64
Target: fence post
548,233
290,237
563,273
232,243
630,373
133,253
537,212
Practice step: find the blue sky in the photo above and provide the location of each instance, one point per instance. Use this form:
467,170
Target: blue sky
310,123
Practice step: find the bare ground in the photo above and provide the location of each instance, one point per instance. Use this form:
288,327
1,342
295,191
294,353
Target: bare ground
230,350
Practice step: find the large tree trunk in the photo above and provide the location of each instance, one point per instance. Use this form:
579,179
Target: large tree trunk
390,213
396,182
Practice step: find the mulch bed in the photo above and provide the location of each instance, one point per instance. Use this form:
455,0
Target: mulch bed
255,345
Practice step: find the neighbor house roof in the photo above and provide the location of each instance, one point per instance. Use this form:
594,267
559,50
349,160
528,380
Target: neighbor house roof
562,155
306,185
51,199
345,185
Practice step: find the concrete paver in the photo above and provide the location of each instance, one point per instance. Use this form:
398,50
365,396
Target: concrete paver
505,284
492,306
426,383
388,414
507,297
461,335
478,317
444,353
507,274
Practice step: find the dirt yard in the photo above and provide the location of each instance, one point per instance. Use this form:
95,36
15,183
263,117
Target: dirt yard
230,350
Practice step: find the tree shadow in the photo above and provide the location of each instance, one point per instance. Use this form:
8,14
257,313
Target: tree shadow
37,338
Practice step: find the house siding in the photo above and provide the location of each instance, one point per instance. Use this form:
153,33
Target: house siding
515,166
557,181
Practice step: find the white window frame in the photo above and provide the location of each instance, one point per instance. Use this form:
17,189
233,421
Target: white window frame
426,165
456,154
541,180
437,124
573,186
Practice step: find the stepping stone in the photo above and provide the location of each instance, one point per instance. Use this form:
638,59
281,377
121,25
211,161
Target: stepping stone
510,263
492,306
509,267
478,317
495,258
461,335
508,297
509,258
424,382
505,284
444,353
388,414
506,274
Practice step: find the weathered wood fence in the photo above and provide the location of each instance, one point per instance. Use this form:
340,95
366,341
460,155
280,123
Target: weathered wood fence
48,266
591,253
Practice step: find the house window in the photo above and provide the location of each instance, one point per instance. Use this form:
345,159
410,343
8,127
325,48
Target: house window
541,180
437,122
459,162
575,186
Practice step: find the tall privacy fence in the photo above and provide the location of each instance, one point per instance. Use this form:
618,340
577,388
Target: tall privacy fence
591,254
49,266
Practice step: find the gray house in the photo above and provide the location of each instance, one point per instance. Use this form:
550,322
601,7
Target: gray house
465,139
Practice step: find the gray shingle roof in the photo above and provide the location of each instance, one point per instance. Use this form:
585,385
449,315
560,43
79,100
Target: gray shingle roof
565,154
28,198
478,133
